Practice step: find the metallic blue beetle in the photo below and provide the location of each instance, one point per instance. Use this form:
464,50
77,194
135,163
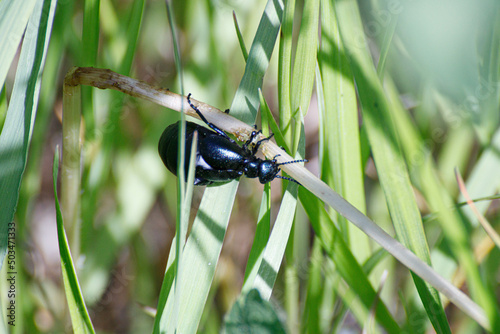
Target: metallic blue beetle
219,158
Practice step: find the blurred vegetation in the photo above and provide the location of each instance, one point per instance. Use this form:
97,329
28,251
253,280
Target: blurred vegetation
441,78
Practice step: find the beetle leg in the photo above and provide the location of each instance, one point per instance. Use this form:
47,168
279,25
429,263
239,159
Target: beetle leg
250,140
212,126
257,145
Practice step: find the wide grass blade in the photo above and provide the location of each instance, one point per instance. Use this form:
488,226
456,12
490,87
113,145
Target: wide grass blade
302,82
14,16
246,100
305,58
203,246
285,71
426,177
18,126
200,257
388,157
342,165
276,245
262,232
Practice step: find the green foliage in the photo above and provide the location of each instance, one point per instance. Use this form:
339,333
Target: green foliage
252,314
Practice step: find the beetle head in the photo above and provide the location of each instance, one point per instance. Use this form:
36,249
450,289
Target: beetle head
268,169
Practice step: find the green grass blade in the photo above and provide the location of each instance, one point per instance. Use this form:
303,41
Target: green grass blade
268,116
182,223
18,126
90,32
200,257
14,16
305,57
285,71
246,99
240,37
312,313
131,32
253,314
167,316
387,154
340,126
3,107
263,229
78,311
89,47
275,248
261,238
385,47
304,67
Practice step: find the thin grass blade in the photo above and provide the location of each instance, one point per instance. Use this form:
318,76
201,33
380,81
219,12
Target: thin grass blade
386,43
77,308
484,178
89,47
240,37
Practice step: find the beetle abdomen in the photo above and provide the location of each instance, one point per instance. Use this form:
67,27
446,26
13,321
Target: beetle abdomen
221,154
168,145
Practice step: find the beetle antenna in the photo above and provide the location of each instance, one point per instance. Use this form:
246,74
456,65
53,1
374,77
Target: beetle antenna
292,162
288,178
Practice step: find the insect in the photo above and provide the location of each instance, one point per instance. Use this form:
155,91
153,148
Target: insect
219,158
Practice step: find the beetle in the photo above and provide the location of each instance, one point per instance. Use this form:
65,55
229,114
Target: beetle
219,158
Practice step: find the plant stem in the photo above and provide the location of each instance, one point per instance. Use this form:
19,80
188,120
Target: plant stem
70,180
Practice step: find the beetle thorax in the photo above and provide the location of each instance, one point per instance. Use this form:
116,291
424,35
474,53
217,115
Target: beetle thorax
252,168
